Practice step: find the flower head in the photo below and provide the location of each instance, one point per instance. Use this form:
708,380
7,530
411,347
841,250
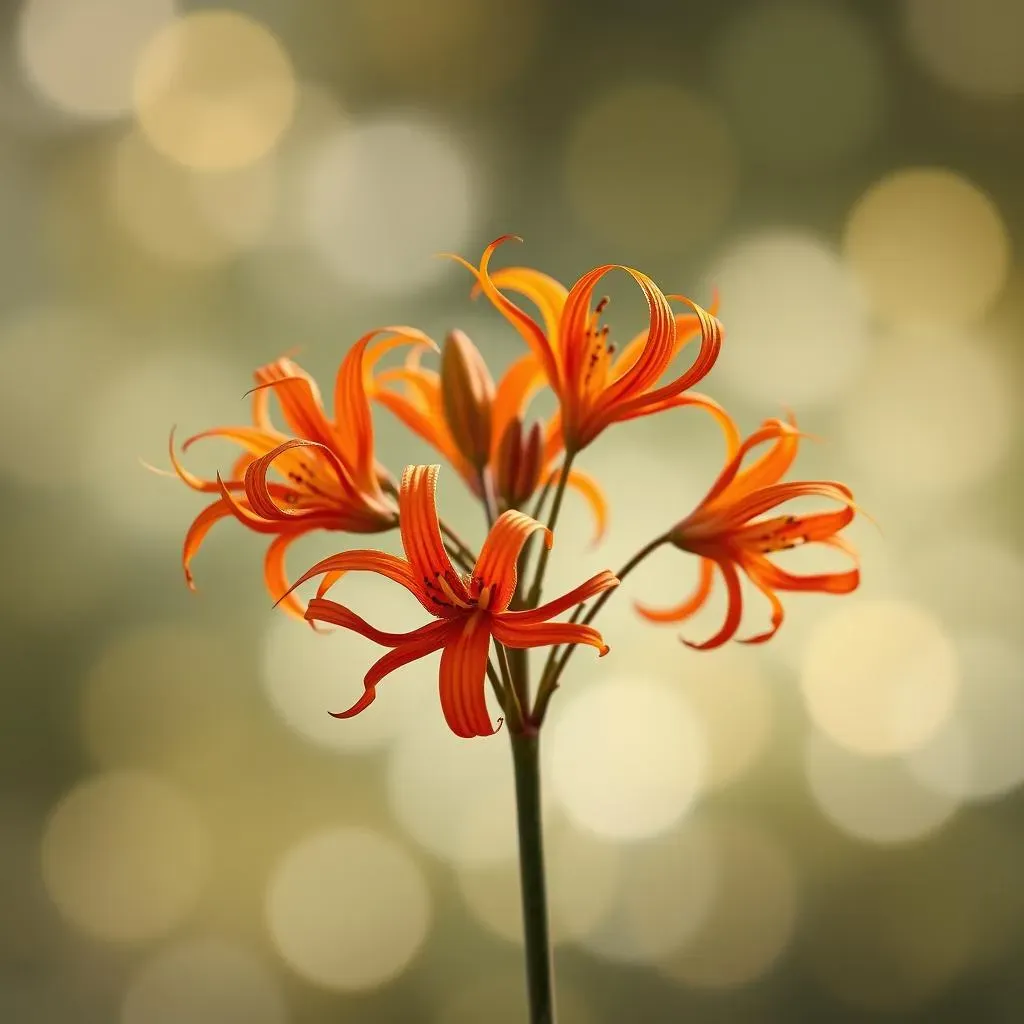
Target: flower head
725,532
327,476
457,409
467,610
595,386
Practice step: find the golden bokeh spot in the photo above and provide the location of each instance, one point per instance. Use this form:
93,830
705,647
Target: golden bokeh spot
214,90
929,246
879,677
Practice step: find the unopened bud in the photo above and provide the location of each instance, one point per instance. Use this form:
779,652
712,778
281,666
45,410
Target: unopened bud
518,463
467,392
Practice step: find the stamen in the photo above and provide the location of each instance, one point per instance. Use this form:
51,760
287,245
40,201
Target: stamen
446,589
483,602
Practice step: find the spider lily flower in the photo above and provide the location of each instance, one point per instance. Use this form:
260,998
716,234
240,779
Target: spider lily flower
726,534
457,410
467,610
326,474
596,387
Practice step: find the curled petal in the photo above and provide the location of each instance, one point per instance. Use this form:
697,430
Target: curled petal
692,398
299,398
515,389
584,592
463,669
778,613
546,634
766,574
733,614
367,560
590,491
531,331
496,566
200,527
421,532
276,577
335,614
688,607
547,294
429,639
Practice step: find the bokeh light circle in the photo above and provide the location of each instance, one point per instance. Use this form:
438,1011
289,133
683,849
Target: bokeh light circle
81,54
877,800
900,429
203,981
795,319
974,48
651,167
348,908
979,754
375,224
182,216
627,757
879,677
124,856
751,916
666,889
929,246
214,90
802,83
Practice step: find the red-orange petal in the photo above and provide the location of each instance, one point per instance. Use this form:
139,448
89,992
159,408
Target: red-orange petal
689,606
496,566
546,634
367,560
276,577
461,681
421,532
733,613
584,592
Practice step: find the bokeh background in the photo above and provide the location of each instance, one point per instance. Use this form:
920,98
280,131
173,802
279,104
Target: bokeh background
826,828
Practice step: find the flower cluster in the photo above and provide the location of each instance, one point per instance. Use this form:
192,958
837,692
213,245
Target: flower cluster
323,474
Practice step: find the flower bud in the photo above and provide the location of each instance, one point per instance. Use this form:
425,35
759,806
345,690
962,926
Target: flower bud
518,463
467,392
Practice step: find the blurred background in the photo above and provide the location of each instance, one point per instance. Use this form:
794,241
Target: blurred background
826,828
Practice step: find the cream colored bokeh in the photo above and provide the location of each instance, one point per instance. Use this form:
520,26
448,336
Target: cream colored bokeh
979,754
795,320
802,82
929,246
214,90
348,909
203,981
636,175
904,428
124,856
80,55
183,216
192,388
974,48
879,677
378,227
877,800
626,757
751,916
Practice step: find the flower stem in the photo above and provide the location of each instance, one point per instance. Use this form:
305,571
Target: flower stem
457,547
545,552
539,967
556,662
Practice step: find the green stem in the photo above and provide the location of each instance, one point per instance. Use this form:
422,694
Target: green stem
487,496
539,967
457,547
555,666
545,552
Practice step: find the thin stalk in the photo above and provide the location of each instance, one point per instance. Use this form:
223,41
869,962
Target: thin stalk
487,496
539,966
516,707
555,667
545,552
457,547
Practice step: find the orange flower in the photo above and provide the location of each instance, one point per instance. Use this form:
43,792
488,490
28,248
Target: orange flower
467,610
432,410
723,531
329,477
596,388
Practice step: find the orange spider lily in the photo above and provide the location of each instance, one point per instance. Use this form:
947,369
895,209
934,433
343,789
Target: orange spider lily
468,610
595,388
478,427
329,477
723,531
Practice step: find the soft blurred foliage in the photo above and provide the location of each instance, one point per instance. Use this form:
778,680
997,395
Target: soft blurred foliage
828,828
